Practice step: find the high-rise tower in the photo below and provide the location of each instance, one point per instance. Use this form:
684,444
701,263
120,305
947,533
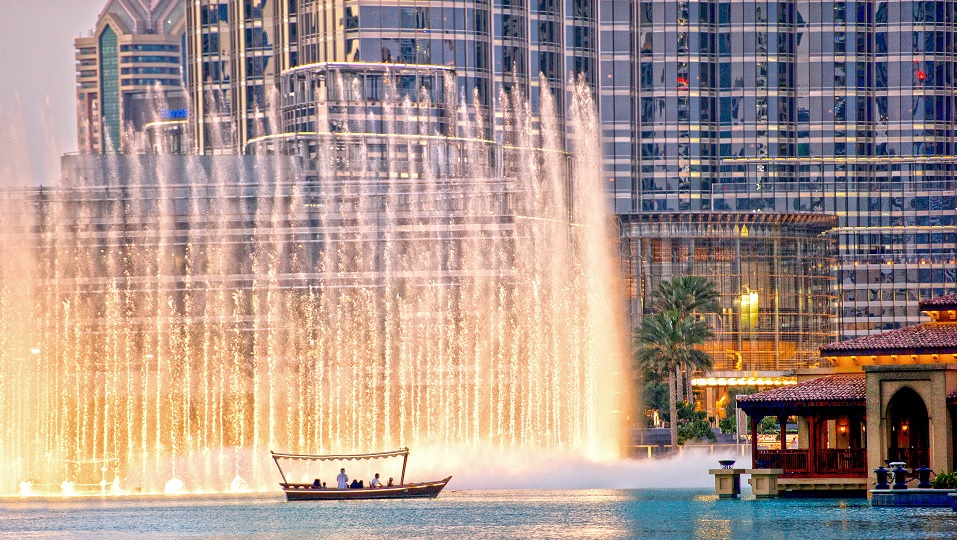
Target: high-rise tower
129,74
238,50
843,108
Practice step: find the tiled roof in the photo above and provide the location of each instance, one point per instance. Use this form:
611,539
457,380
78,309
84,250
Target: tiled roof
941,302
838,389
930,336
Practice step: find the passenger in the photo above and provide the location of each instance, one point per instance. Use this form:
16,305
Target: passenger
391,482
316,484
354,484
375,483
323,485
343,479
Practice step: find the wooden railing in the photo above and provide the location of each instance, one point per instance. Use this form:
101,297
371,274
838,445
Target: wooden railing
847,461
792,461
913,457
843,461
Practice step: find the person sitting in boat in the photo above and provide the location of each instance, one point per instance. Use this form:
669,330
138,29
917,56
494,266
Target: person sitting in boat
316,484
343,479
356,484
375,483
391,482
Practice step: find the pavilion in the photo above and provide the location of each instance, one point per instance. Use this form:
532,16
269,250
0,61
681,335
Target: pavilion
885,397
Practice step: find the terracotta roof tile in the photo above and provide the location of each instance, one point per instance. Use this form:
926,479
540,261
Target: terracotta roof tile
845,389
948,301
935,336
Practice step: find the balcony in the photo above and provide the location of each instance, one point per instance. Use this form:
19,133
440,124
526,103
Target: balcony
827,462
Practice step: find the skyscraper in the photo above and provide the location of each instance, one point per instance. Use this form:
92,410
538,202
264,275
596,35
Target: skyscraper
843,108
129,74
238,50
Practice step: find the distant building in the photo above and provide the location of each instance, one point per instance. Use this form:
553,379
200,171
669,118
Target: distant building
129,75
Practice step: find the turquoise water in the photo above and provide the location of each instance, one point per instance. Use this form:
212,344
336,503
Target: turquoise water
474,514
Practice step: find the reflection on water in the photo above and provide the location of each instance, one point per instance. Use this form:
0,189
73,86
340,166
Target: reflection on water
474,514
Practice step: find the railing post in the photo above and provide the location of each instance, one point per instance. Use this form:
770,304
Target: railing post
783,423
754,441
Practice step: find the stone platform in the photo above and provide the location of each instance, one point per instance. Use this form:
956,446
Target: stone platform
822,487
929,498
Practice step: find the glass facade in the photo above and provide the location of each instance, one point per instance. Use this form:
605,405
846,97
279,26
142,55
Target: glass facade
773,272
236,52
843,108
110,90
495,47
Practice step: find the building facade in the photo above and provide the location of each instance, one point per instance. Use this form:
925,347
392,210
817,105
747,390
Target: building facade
884,398
238,51
129,75
772,271
843,108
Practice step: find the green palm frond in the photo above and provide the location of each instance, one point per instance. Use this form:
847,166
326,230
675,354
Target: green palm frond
668,340
687,294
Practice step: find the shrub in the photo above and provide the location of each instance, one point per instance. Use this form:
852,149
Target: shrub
945,480
693,425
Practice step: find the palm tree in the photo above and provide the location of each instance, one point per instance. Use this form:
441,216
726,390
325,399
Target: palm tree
686,295
666,342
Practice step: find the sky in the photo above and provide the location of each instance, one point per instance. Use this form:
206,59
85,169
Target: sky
37,85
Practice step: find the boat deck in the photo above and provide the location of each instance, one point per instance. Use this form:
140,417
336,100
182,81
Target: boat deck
307,492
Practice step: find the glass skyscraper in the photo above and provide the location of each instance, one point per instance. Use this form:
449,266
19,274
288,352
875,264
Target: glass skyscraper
840,108
238,50
843,108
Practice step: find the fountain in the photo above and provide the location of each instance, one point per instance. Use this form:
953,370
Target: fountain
179,316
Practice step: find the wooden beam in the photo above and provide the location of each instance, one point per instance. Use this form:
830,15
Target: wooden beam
754,441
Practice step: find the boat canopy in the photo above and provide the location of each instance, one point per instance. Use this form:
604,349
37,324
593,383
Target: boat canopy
341,457
402,452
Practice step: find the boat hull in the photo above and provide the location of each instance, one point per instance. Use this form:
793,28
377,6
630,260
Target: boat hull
418,490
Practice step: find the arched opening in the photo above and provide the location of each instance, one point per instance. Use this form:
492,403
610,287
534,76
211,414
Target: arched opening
909,428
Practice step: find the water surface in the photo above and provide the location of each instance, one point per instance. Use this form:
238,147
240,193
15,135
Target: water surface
473,514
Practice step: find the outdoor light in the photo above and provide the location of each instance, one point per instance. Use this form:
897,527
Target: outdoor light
842,428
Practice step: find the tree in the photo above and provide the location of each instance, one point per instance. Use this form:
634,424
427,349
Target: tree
667,342
686,295
655,396
693,425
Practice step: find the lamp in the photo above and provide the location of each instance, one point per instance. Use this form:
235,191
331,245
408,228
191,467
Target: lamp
842,428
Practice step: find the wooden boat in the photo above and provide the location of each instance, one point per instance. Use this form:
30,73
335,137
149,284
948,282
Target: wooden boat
309,492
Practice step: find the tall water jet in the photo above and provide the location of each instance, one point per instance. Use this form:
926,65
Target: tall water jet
174,318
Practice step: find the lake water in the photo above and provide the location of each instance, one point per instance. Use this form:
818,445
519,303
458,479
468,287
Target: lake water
672,513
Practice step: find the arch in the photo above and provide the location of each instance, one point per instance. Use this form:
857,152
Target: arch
909,435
